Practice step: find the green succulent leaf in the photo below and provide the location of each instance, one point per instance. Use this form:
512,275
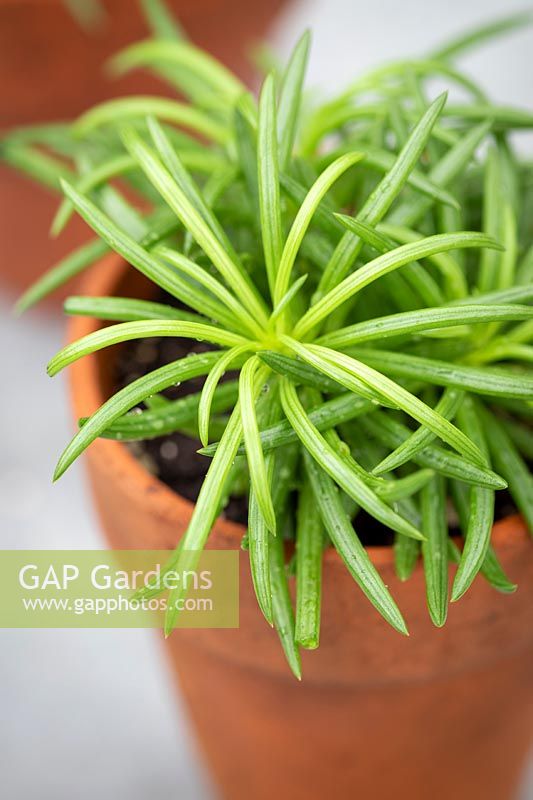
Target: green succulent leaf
493,382
252,441
282,610
399,257
177,166
125,399
161,22
449,167
344,369
181,53
324,416
481,509
435,549
168,417
447,406
125,331
268,180
210,387
207,505
309,550
340,469
191,218
291,97
421,321
393,433
383,196
117,111
70,266
127,309
259,536
347,544
491,569
305,214
406,554
509,462
308,375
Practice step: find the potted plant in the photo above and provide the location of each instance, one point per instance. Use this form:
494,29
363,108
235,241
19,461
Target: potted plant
37,41
360,274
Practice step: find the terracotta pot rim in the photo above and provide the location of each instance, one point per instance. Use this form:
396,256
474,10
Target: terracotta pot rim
162,501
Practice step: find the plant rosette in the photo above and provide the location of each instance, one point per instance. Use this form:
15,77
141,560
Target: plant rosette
367,693
361,270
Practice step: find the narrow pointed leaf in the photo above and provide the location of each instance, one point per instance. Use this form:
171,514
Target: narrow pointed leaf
510,463
124,108
210,387
406,553
481,509
422,320
268,180
194,222
130,396
127,309
482,33
347,544
252,441
309,550
125,331
491,381
435,549
291,97
88,182
400,256
491,569
298,371
516,294
204,514
175,163
181,54
171,416
338,468
203,277
304,216
161,22
288,297
383,196
450,166
344,368
63,271
308,375
282,610
447,406
207,505
140,257
392,433
324,417
259,536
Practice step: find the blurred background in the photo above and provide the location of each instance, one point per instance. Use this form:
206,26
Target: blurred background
88,713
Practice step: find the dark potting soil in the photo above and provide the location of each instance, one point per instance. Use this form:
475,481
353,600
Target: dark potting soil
174,458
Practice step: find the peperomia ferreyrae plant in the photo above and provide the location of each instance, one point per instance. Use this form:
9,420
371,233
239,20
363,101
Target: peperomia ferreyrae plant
362,268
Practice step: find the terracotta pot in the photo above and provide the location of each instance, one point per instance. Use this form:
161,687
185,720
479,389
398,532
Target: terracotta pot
51,69
445,713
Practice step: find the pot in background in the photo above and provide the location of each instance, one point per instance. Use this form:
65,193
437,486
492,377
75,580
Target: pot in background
52,69
444,713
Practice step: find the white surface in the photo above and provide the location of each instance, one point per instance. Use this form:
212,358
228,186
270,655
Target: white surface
350,36
88,714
